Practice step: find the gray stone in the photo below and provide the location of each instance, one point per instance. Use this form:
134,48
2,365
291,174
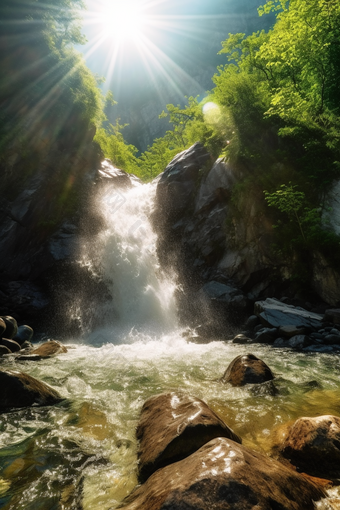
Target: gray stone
289,331
252,321
219,181
24,334
273,313
319,348
299,341
280,342
331,339
266,335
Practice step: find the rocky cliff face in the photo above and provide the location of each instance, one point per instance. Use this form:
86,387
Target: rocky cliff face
43,219
221,241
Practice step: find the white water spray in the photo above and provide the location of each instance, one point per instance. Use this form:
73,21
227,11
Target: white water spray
124,254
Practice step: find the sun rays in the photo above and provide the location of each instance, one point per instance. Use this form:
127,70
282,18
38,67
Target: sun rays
139,33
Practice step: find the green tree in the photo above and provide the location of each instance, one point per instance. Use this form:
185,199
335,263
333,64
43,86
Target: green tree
115,148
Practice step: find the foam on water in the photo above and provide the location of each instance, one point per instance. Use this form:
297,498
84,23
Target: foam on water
85,448
124,255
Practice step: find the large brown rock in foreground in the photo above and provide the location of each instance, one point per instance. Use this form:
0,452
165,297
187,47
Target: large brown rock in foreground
312,445
247,369
173,426
224,475
22,390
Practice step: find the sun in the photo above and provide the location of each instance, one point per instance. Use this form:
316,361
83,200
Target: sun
122,20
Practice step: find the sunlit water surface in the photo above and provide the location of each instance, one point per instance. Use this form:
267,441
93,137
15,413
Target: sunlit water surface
82,452
85,448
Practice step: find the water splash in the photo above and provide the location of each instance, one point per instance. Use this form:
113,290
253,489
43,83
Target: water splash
124,255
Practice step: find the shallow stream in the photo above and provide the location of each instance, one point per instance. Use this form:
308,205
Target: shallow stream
83,451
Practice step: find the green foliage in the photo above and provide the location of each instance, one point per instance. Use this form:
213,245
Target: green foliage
281,89
48,97
115,148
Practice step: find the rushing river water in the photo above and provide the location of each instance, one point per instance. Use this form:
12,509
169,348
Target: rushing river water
84,449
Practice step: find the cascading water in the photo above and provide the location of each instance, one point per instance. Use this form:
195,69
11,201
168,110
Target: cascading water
84,449
143,298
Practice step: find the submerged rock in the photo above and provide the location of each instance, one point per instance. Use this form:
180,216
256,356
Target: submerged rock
22,390
247,369
224,475
48,349
312,445
171,427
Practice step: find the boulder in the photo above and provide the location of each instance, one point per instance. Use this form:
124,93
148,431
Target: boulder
24,334
312,445
11,326
22,390
275,314
241,339
48,349
171,427
10,344
2,327
247,369
224,475
177,185
299,341
217,184
109,173
333,315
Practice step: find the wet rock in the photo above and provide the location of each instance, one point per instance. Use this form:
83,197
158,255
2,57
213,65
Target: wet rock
280,342
312,445
48,349
4,350
241,339
27,345
2,327
24,334
11,326
22,390
224,475
109,173
247,369
173,426
10,344
299,341
274,313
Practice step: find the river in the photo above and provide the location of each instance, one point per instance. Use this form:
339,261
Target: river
83,451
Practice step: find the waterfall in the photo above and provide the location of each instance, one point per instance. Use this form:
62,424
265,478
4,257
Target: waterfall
124,255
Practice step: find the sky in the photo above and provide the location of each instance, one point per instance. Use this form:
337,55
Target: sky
145,39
